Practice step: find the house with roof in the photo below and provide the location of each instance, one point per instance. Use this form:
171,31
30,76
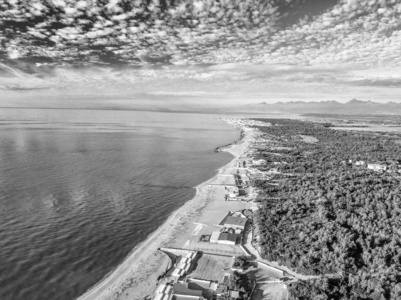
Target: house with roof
235,222
224,238
182,265
164,292
163,297
242,192
182,292
227,238
359,163
377,167
214,237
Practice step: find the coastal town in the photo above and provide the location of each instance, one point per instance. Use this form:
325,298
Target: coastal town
200,149
225,255
217,260
207,248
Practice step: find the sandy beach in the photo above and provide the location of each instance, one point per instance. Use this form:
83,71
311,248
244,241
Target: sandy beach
136,277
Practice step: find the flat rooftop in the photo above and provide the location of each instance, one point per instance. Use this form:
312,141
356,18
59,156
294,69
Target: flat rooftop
235,221
212,267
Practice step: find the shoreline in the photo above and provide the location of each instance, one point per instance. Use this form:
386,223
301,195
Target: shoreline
143,264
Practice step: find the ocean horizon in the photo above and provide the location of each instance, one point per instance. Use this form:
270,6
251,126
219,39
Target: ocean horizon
79,189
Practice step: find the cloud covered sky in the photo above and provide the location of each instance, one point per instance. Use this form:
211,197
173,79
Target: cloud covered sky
227,50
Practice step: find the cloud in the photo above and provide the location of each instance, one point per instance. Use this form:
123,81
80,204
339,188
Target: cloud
235,47
204,78
216,32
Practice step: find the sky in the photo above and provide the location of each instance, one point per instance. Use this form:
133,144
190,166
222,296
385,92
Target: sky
199,51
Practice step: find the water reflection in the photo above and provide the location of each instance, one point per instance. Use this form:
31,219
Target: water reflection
79,189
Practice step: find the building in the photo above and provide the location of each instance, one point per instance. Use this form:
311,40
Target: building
238,180
164,292
164,289
242,192
214,238
183,265
260,162
377,167
231,199
163,297
181,291
232,195
224,238
227,238
234,294
235,222
177,274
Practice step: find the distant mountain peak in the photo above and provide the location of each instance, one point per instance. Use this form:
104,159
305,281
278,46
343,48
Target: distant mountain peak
356,101
352,107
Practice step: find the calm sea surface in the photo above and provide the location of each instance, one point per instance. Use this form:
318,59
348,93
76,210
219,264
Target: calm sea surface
80,188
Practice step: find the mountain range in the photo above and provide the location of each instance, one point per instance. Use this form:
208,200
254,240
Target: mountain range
352,107
20,75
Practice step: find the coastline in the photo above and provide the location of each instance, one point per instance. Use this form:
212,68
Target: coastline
136,276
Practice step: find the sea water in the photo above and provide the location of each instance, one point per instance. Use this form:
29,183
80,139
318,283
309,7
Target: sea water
79,189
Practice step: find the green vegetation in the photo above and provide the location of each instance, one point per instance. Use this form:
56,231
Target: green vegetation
329,216
240,262
243,284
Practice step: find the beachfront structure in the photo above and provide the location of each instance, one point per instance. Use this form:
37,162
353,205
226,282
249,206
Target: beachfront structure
231,199
238,180
177,291
224,238
242,192
177,274
164,289
204,285
199,289
164,292
163,297
259,162
214,238
377,167
183,265
181,291
232,195
227,238
235,222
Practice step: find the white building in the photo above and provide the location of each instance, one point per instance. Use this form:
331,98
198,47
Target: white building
163,297
214,237
164,292
260,162
377,167
235,222
224,238
227,238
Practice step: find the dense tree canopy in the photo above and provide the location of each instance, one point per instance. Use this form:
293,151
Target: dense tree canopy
327,215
